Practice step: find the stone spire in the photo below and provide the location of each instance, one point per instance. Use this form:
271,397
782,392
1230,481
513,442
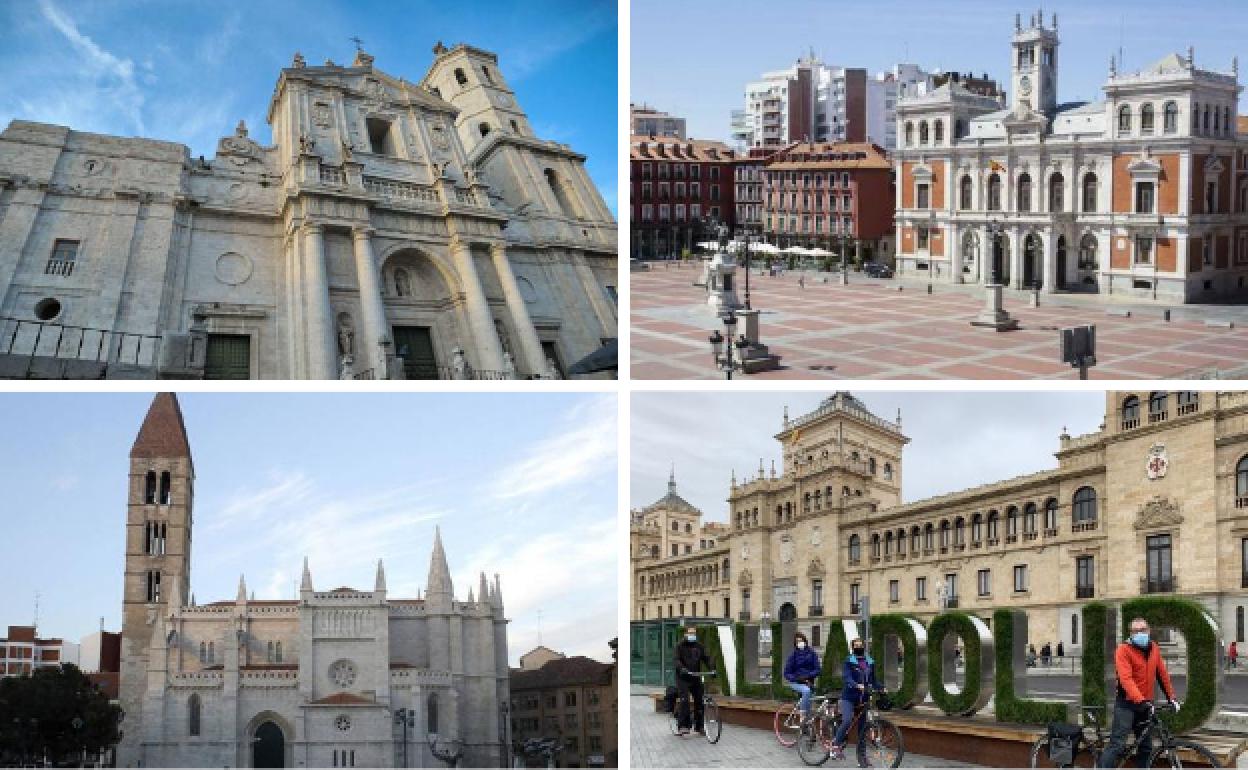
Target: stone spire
484,594
242,590
471,600
439,583
163,433
306,583
380,585
497,598
671,481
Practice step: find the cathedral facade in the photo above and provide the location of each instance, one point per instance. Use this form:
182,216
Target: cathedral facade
394,229
335,678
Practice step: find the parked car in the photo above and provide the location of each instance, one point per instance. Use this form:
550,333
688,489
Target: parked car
877,270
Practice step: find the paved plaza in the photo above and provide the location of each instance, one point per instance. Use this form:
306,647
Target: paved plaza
653,745
890,329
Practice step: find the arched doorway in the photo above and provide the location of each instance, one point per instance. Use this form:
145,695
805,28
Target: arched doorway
1000,260
1032,261
970,253
419,294
1061,262
787,612
268,747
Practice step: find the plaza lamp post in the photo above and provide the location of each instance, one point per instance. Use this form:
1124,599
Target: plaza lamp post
407,719
994,234
750,240
722,353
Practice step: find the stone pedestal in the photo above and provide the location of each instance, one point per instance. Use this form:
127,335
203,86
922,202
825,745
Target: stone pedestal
721,286
704,276
1035,298
994,315
756,357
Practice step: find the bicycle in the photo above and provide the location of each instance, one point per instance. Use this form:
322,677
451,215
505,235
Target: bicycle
711,725
1166,753
787,723
879,740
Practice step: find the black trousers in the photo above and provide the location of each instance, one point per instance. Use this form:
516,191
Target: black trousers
686,687
1126,720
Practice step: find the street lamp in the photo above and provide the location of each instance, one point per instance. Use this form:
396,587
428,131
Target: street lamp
994,234
407,718
750,240
722,346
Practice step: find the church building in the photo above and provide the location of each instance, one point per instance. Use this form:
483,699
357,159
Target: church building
393,229
336,678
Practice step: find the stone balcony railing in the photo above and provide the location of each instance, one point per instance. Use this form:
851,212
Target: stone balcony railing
404,191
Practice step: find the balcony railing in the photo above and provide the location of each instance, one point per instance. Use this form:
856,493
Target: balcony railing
1085,592
1188,408
1030,535
59,267
1241,501
1084,526
743,616
42,339
854,608
333,176
1051,532
1132,423
406,191
816,611
1167,585
951,602
1011,538
1157,416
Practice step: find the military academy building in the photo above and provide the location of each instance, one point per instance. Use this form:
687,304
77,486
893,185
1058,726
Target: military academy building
393,229
310,682
1141,194
1155,502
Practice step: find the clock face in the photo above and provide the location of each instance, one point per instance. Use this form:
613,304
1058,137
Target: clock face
1024,85
343,723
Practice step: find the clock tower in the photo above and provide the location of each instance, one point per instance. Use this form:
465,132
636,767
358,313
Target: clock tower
469,78
1034,65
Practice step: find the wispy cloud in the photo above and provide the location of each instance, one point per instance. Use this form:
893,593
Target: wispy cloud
584,447
571,33
112,76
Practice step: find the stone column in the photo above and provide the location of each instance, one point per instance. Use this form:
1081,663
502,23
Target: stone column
953,249
488,352
530,345
375,328
1050,262
322,347
1016,260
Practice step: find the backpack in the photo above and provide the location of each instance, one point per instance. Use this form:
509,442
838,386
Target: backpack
1064,743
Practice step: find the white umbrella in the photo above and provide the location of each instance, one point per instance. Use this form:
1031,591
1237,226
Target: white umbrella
711,245
798,250
765,248
819,252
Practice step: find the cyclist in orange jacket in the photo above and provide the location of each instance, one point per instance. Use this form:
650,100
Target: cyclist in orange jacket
1139,663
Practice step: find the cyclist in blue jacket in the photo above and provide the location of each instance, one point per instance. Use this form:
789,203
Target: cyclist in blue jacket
801,670
859,674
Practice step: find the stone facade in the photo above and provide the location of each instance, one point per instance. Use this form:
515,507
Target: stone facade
1156,501
1141,194
312,682
569,702
392,229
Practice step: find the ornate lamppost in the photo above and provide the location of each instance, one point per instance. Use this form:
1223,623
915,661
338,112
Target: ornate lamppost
723,353
407,719
449,756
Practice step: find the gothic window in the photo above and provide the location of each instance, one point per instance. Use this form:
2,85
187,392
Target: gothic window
1170,118
1124,119
460,77
165,484
1130,412
192,714
1157,406
1050,515
1089,192
484,128
1241,477
994,193
1146,119
431,726
149,488
965,192
1083,508
1057,192
1024,192
153,586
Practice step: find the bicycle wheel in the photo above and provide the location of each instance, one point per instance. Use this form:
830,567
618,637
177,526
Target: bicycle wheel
787,724
881,746
814,745
1040,754
1182,754
711,725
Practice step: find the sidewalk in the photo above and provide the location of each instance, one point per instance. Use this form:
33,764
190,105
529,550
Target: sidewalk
653,745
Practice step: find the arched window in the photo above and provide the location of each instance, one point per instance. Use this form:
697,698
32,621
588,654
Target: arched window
944,533
1130,412
1195,117
1083,507
1089,192
993,518
192,714
484,128
922,132
929,537
1157,403
1170,118
460,77
909,134
914,540
1050,515
431,719
1029,519
965,193
977,528
1146,119
938,132
888,543
1074,628
149,488
166,485
875,546
888,471
994,193
1124,119
1024,192
959,531
1087,252
855,549
1241,477
1011,522
1057,192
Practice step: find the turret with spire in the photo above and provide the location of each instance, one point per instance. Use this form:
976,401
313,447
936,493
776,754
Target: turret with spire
241,598
439,589
379,585
305,585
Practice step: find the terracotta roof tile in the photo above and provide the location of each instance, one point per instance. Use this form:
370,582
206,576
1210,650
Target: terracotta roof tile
163,433
563,672
845,155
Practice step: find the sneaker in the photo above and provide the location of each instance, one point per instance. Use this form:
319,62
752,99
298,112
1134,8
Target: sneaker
836,752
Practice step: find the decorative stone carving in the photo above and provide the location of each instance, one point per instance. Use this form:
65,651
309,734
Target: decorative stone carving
1158,512
342,673
816,534
441,138
816,568
1158,462
346,334
233,269
744,578
745,551
786,549
322,115
298,62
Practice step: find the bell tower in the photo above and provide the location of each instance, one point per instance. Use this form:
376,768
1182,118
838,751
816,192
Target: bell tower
469,78
158,546
1034,65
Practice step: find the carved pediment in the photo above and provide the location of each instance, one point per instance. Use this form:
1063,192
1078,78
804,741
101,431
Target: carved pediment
816,568
1157,513
1213,165
744,578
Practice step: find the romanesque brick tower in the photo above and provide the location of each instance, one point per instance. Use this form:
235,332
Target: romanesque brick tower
158,548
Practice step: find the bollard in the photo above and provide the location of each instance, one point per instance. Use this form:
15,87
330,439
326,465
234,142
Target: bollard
929,288
1165,314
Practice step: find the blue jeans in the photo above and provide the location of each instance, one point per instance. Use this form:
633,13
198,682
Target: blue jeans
804,691
847,717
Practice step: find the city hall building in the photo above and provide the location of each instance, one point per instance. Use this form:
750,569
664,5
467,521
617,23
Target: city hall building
1154,502
393,229
1141,194
344,677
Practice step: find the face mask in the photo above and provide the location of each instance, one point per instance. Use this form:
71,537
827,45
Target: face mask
801,645
1140,639
691,637
859,650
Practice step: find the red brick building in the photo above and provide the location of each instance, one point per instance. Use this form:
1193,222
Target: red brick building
749,185
821,195
677,189
22,652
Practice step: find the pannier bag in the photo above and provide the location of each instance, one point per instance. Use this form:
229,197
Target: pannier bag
1064,740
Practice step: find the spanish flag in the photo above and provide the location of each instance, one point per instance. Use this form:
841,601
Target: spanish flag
995,166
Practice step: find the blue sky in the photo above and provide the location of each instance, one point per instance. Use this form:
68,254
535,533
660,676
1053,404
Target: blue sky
521,484
188,71
693,58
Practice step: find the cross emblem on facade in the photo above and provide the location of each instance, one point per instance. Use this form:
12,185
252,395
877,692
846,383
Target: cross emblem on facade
359,44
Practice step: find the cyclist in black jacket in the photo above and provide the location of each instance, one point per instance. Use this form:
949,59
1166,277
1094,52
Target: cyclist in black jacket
689,658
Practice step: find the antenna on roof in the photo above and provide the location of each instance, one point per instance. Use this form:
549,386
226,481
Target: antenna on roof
36,623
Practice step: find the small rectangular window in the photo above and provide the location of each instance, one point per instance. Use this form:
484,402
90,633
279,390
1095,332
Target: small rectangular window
379,137
64,256
1020,578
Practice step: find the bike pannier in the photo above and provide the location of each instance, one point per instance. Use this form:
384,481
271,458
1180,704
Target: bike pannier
1064,742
